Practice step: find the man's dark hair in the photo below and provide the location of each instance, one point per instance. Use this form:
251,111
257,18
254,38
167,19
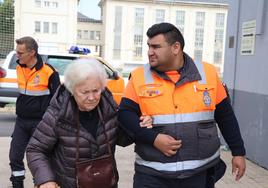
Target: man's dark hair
29,42
171,33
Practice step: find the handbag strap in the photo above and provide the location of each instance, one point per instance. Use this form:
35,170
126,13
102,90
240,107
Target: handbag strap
78,129
77,136
102,122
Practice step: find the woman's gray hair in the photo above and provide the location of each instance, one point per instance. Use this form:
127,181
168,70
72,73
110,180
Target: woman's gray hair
81,69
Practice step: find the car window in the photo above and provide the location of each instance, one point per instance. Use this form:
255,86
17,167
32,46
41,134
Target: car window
109,71
13,62
59,62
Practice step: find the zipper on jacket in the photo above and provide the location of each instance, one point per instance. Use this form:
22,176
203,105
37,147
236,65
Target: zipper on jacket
26,80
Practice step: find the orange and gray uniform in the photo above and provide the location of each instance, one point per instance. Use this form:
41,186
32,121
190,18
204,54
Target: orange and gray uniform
36,87
184,109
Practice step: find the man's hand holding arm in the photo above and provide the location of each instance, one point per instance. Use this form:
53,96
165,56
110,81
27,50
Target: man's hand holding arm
167,144
130,117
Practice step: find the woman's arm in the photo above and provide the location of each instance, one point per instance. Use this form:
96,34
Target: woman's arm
40,148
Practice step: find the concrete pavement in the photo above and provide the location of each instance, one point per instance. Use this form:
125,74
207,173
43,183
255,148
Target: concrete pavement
255,177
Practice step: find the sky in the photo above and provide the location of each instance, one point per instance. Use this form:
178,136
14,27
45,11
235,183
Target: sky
89,8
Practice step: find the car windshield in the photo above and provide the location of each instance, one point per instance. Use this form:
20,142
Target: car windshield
60,63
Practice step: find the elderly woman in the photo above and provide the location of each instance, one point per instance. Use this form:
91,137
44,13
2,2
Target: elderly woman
51,152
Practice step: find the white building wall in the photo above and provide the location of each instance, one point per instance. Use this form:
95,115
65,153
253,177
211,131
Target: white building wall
128,8
86,42
65,15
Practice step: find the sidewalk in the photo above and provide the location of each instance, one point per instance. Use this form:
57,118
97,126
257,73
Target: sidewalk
255,177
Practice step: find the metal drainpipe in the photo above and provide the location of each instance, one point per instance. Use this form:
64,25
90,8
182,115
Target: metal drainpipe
259,17
237,51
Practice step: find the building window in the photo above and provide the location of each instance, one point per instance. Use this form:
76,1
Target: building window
199,35
46,27
37,26
46,3
159,15
180,19
85,34
117,32
139,15
91,35
218,57
96,48
198,55
138,33
220,19
138,39
38,3
219,36
79,34
200,19
138,51
54,28
54,4
97,37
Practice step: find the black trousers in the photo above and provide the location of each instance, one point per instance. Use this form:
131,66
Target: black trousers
22,133
142,180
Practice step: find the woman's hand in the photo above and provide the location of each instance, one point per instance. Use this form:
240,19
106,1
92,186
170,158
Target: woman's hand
49,185
146,121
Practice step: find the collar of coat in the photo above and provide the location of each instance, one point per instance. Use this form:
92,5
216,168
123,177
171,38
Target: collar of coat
37,66
67,108
188,72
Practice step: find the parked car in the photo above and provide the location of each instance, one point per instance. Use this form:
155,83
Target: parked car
9,87
2,72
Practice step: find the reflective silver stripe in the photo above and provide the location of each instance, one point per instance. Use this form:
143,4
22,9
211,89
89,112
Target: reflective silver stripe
18,173
201,71
147,74
176,166
34,93
182,118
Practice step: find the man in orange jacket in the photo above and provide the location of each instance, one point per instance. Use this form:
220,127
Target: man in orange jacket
185,99
37,83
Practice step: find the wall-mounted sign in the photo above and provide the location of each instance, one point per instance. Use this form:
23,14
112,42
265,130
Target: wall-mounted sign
248,37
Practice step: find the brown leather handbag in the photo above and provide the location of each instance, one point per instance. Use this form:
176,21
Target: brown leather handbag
99,172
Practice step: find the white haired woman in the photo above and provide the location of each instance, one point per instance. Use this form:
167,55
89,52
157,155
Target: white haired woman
83,100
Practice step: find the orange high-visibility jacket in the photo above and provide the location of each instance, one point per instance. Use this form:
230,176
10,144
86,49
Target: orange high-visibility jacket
36,87
184,111
34,82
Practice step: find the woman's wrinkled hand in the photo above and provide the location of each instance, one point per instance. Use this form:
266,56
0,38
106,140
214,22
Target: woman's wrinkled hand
146,121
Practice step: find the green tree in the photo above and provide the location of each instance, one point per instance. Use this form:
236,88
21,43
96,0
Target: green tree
6,27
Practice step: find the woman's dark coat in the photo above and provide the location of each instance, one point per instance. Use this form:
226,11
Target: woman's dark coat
51,152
